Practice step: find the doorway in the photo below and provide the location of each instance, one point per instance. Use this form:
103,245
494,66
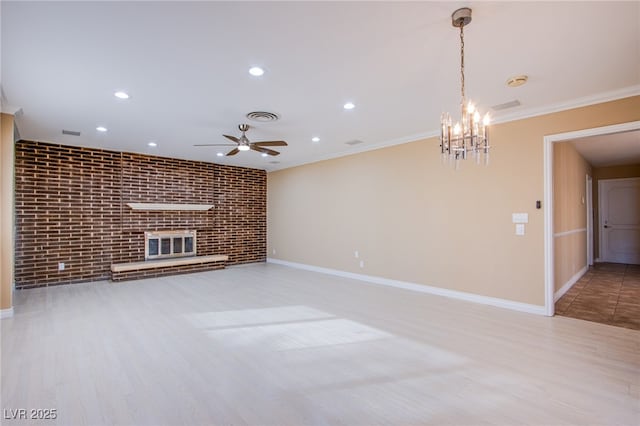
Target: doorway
550,285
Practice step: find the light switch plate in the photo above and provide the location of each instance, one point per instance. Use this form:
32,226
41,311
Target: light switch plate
520,217
519,228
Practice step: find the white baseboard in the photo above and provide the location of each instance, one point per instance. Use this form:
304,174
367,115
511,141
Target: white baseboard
566,286
6,313
469,297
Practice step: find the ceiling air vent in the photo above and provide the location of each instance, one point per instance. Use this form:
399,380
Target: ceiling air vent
517,81
354,142
506,105
70,132
262,116
274,162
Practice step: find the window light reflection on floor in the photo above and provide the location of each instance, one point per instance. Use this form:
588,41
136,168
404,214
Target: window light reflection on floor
283,328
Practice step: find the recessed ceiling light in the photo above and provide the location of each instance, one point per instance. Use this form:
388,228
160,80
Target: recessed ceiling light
315,139
264,154
219,154
121,95
256,71
349,105
152,144
101,129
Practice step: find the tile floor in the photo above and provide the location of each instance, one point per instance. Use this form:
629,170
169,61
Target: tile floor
609,293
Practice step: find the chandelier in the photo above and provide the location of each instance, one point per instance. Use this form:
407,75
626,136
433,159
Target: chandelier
469,135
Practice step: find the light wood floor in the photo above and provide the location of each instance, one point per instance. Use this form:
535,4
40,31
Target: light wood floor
267,344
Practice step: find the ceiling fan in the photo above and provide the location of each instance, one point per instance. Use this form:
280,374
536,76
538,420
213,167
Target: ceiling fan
243,144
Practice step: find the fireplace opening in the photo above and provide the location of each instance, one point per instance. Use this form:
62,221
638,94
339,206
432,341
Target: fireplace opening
162,244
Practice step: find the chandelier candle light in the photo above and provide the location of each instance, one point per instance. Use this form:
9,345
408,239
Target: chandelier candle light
470,134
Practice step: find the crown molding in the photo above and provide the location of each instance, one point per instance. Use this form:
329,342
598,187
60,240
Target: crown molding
518,115
11,110
358,150
597,98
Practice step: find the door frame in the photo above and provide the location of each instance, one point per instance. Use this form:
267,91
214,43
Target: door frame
601,232
548,142
589,192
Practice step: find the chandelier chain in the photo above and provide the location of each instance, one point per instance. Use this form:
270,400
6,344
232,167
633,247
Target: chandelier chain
462,60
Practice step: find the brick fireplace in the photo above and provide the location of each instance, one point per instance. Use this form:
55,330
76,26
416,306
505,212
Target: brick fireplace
72,207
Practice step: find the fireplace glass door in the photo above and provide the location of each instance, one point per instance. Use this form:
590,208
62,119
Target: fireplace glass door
162,244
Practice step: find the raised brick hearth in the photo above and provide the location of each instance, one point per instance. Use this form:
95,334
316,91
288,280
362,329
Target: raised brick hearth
71,207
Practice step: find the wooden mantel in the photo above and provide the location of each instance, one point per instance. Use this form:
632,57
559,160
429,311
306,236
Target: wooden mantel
169,206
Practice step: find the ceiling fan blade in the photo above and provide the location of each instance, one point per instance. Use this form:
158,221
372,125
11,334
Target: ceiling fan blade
212,144
233,138
234,151
271,143
265,150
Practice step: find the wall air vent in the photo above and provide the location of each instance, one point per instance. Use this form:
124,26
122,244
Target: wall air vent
506,105
354,142
263,116
70,132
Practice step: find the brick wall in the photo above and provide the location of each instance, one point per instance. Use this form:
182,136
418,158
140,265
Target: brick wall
71,208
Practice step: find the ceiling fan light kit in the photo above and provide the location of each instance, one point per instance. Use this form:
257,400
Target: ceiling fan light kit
469,135
244,144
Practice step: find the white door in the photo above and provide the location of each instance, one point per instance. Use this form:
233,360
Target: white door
620,220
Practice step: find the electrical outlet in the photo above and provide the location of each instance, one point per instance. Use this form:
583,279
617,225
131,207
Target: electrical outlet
61,266
356,254
362,263
274,251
